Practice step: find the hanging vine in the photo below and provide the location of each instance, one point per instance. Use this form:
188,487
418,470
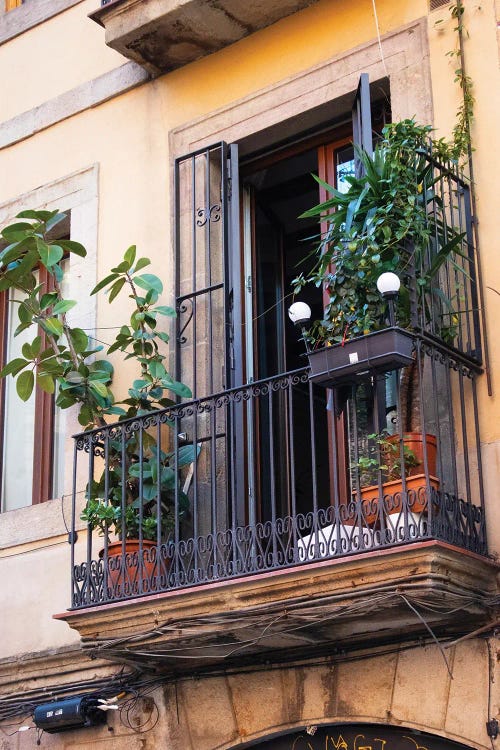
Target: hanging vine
459,148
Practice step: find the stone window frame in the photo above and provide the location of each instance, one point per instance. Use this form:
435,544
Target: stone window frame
406,64
76,193
31,13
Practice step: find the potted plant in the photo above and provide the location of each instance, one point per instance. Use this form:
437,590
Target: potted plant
65,359
389,220
387,460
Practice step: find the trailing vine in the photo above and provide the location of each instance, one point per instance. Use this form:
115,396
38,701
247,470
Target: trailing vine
460,146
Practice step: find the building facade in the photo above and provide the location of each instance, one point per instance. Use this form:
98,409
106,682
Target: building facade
283,610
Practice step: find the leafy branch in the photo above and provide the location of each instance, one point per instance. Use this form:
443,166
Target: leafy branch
140,483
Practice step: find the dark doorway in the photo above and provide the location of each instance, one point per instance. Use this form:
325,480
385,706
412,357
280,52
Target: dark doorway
277,247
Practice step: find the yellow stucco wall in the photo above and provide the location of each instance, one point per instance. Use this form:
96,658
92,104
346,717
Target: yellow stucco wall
51,58
128,138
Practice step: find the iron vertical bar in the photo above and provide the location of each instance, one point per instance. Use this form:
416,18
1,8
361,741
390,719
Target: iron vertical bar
107,501
194,280
376,425
213,470
159,519
293,496
177,267
476,302
175,552
89,529
208,266
465,441
196,511
484,536
452,428
272,475
140,561
73,524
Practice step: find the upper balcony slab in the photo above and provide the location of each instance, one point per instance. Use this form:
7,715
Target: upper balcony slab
163,35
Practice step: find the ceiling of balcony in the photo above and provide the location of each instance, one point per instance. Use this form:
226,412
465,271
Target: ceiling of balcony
162,35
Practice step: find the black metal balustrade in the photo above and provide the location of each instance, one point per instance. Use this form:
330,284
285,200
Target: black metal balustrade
283,475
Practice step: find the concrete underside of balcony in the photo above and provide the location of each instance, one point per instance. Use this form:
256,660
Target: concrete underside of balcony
162,35
420,591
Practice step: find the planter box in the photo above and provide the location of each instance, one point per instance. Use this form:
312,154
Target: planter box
381,351
417,488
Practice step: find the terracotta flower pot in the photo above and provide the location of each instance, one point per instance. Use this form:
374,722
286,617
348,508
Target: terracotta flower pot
414,441
124,573
416,487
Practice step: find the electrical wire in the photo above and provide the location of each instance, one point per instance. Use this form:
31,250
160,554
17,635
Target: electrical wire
182,651
375,14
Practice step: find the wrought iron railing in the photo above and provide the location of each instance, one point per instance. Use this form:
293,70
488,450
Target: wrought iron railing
270,475
450,309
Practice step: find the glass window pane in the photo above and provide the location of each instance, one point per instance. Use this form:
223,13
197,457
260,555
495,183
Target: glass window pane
19,424
344,166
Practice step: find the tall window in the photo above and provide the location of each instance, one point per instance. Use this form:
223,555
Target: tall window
32,431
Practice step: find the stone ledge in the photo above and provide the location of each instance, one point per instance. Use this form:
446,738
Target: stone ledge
346,602
87,95
163,35
39,670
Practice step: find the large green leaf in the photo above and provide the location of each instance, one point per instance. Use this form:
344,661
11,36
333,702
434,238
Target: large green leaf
25,384
141,263
63,306
46,382
104,282
156,369
187,454
38,215
52,326
13,367
116,289
48,299
18,231
79,339
49,254
73,247
129,255
149,281
99,388
165,310
178,388
24,314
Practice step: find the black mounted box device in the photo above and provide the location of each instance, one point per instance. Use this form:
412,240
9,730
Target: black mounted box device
69,713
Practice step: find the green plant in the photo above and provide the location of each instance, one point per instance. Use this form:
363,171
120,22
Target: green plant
383,454
459,148
64,359
386,221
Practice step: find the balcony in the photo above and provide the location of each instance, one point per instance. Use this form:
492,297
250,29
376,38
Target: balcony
282,517
162,35
270,508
